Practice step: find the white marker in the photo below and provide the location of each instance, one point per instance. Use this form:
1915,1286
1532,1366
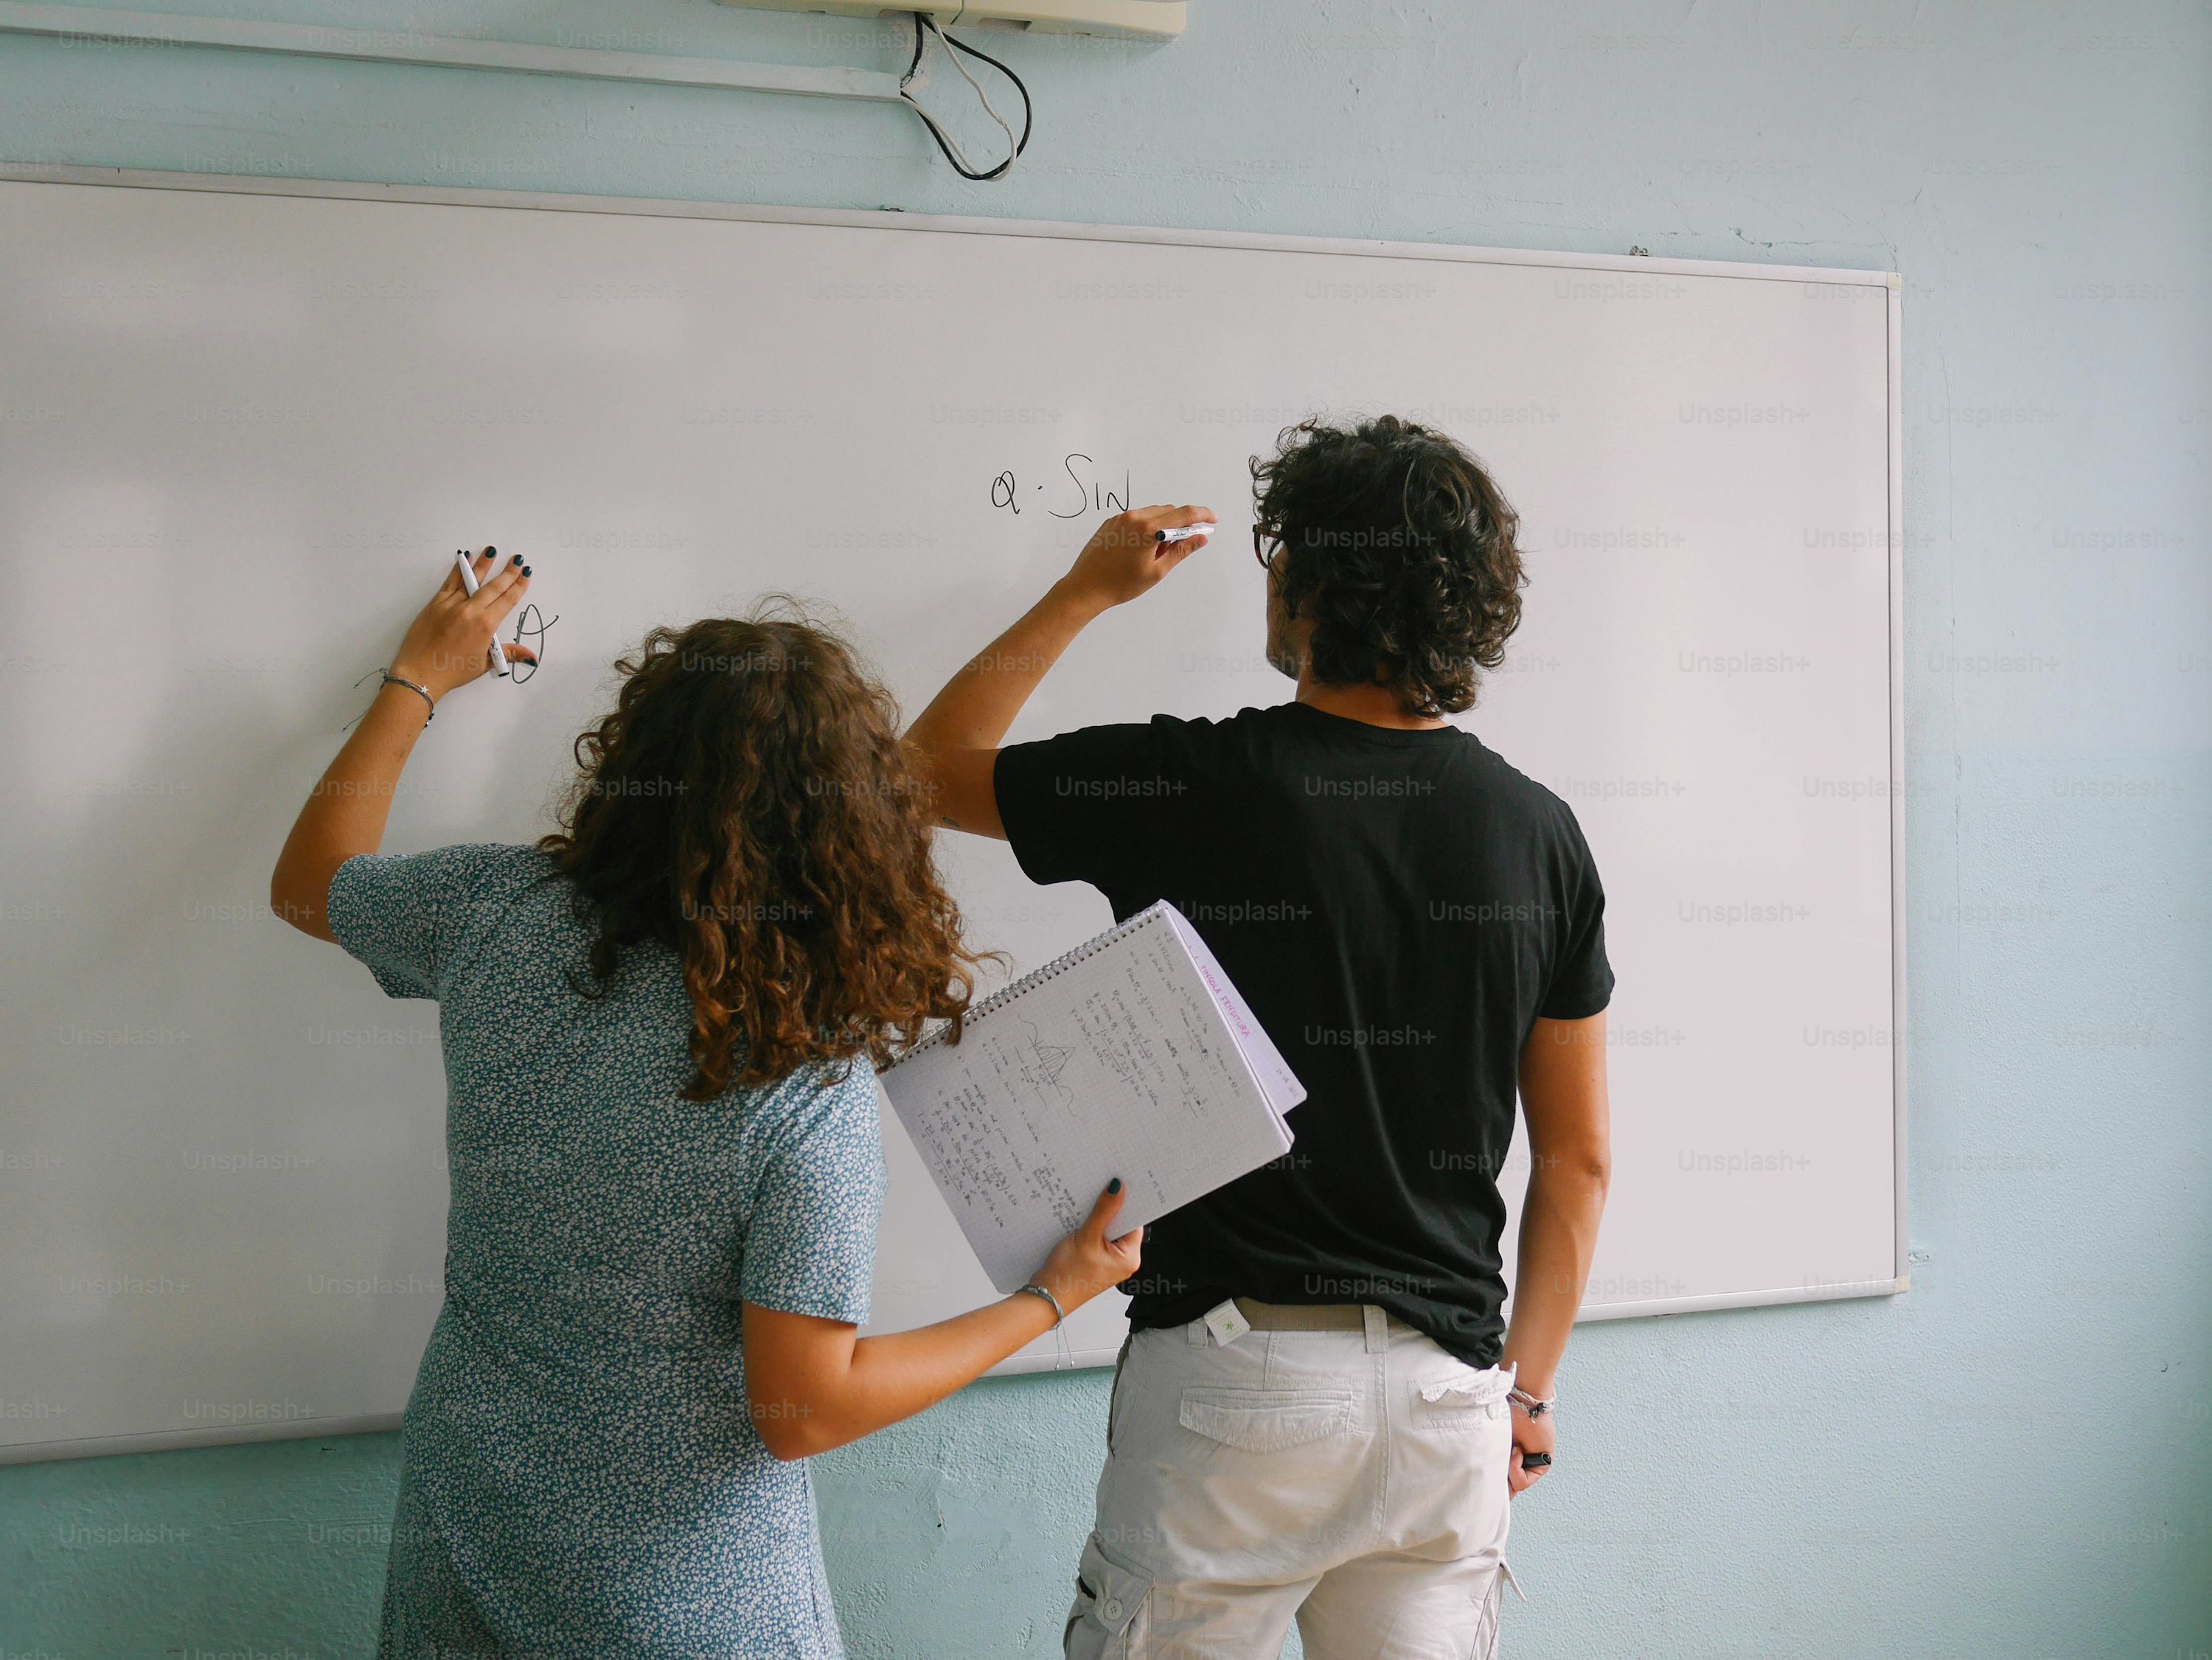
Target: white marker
467,568
1185,532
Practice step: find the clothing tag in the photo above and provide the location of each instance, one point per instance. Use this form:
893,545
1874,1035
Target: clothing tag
1226,1324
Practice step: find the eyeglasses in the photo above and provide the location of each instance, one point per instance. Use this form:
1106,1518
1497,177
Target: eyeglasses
1265,546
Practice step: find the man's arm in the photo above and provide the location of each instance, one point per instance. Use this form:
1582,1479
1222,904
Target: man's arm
1563,1097
954,745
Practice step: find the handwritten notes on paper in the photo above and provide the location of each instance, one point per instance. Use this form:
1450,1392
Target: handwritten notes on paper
1117,1061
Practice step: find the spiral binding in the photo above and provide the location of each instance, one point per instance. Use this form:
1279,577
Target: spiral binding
1035,977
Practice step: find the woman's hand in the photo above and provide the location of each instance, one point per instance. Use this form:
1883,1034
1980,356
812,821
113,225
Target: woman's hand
448,645
814,1383
1086,1262
449,642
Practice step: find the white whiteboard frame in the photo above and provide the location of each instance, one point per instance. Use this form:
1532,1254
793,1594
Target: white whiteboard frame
962,224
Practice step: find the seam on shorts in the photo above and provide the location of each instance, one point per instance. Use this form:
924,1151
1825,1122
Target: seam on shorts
1389,1435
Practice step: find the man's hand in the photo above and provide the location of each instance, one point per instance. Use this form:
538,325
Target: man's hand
955,743
1529,1435
1123,559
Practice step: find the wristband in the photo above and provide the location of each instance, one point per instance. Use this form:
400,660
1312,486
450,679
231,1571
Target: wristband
1059,1314
423,692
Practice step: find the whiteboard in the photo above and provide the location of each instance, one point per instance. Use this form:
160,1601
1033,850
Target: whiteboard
243,422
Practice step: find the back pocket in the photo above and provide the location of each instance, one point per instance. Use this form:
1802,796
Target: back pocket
1468,1399
1267,1419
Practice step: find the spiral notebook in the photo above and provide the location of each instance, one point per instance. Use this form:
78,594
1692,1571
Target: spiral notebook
1131,1055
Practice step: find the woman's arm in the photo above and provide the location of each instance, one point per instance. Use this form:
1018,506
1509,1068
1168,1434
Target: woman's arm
448,644
812,1384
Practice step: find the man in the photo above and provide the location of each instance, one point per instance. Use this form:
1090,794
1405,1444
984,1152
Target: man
1310,1417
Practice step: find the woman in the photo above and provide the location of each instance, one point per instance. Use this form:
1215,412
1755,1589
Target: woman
659,1029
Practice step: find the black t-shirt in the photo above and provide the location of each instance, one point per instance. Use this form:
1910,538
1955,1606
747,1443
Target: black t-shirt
1397,908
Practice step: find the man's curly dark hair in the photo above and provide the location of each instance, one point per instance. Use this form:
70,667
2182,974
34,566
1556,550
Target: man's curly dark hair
1400,548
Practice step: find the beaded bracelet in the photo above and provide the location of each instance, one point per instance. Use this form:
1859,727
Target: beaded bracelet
1534,1406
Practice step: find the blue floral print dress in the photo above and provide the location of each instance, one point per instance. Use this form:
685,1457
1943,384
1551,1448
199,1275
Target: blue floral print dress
580,1476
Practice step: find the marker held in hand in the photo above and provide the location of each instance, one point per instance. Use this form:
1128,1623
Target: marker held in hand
467,568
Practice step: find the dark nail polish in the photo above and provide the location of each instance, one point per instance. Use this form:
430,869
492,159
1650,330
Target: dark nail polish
517,559
1114,1186
491,553
525,570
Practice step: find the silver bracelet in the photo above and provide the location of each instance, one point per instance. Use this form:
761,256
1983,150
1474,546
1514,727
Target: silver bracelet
1059,1314
1534,1406
423,692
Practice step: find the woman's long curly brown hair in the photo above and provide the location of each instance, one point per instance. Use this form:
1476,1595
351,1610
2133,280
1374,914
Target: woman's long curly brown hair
1403,550
747,803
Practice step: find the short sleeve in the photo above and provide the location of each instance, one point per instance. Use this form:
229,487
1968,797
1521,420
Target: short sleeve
1096,804
1581,982
406,916
810,1243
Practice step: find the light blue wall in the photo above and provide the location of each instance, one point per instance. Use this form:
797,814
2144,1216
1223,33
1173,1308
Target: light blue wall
2012,1463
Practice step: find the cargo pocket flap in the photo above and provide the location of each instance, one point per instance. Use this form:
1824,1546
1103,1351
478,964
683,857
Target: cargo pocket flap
1267,1419
1116,1593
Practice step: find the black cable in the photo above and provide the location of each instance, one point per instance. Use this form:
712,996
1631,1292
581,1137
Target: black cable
1022,142
922,21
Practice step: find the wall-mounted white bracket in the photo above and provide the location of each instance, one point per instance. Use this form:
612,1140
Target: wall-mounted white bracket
89,26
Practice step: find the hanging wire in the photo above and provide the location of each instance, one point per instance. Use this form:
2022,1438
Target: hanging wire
925,25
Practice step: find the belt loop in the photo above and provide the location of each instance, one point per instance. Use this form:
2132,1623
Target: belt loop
1378,1328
